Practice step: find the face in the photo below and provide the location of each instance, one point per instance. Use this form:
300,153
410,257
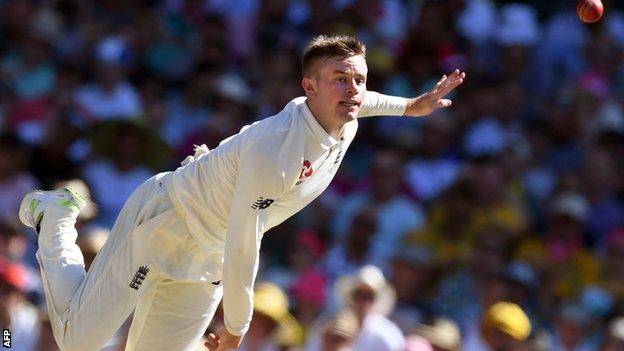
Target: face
338,87
362,230
407,278
262,326
500,341
332,342
386,175
362,300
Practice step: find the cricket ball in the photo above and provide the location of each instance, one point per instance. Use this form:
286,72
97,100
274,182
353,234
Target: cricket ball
589,11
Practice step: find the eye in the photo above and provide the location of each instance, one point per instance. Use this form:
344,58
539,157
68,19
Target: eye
342,79
360,81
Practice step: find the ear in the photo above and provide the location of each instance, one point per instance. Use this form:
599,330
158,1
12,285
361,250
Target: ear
309,86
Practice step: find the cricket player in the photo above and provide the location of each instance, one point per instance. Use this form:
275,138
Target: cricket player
188,238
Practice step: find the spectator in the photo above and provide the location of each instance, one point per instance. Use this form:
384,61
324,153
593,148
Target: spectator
605,209
371,298
396,214
29,65
464,291
55,158
355,251
302,276
447,233
615,337
110,95
14,251
411,278
518,31
417,343
309,288
443,334
30,72
561,256
573,329
610,261
434,169
16,313
340,332
273,326
121,168
90,243
15,180
187,112
496,201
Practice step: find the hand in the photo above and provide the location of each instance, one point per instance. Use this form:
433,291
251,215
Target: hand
223,341
433,99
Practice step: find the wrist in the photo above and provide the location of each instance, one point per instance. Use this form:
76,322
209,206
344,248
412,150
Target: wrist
229,338
228,331
414,107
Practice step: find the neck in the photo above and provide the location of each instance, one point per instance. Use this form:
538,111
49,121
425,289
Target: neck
333,128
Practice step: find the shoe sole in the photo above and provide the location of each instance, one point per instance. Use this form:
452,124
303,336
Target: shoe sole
24,217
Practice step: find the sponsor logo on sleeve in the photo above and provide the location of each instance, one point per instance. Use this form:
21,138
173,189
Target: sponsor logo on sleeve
262,203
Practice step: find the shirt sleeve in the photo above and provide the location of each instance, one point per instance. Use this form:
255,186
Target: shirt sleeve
376,104
258,185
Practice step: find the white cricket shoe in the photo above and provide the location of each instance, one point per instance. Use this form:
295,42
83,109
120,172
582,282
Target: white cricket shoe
35,203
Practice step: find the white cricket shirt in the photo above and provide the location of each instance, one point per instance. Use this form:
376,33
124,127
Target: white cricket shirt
255,180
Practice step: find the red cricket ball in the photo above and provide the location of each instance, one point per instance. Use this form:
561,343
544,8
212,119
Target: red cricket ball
589,11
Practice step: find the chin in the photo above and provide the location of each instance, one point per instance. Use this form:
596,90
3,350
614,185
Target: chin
349,116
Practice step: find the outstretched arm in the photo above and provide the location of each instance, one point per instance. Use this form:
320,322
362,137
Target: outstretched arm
376,104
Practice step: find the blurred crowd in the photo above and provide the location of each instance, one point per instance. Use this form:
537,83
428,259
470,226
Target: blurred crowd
497,224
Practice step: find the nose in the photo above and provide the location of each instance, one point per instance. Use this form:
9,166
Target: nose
352,87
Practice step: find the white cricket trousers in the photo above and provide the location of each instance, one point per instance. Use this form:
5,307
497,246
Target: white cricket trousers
149,262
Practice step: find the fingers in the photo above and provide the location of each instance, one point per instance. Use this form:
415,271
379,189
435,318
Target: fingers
447,84
443,103
458,73
455,75
441,81
213,342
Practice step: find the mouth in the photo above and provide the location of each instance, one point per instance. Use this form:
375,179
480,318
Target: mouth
350,103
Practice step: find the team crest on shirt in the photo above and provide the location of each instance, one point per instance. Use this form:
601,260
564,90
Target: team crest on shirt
139,277
306,172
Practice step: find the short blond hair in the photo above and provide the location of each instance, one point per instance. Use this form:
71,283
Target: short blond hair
325,47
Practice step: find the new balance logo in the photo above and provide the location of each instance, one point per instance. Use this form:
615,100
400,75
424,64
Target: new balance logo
139,277
262,203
